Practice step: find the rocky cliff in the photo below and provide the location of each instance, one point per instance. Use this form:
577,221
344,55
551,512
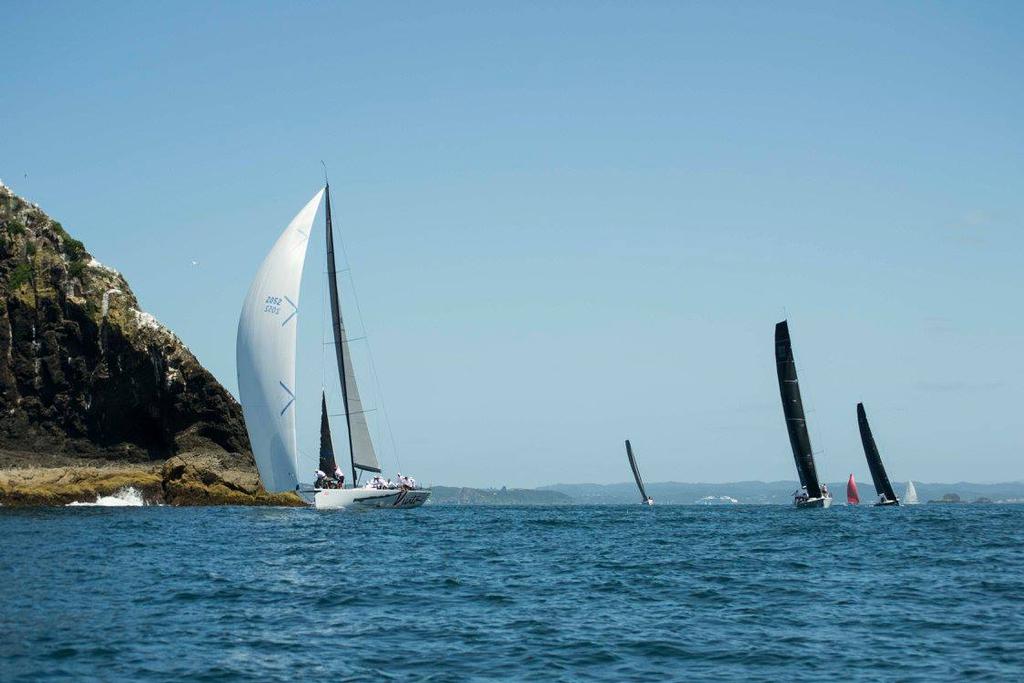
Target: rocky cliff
87,378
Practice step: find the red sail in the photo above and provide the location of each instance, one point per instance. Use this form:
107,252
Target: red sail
852,498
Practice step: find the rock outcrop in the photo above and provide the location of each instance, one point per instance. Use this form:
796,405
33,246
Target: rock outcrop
205,478
87,377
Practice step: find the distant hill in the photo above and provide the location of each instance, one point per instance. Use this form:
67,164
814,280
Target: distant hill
774,492
455,495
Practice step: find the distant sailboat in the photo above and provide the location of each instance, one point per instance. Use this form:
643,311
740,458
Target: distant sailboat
886,496
266,354
852,497
644,498
812,493
910,497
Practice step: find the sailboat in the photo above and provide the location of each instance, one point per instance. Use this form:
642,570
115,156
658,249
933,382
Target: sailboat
812,493
910,497
266,357
644,498
886,496
852,497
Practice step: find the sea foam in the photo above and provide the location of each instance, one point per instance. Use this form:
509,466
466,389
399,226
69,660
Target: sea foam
126,497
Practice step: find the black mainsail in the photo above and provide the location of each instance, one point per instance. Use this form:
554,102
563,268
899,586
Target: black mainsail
327,462
878,475
636,472
360,447
793,408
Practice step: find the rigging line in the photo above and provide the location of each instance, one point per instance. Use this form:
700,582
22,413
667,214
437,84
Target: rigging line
354,412
369,353
345,341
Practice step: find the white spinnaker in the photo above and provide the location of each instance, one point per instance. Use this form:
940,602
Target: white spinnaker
265,352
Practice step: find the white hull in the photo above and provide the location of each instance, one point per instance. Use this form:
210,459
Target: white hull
337,499
886,503
814,502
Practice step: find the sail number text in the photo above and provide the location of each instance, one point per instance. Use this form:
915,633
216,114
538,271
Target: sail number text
272,305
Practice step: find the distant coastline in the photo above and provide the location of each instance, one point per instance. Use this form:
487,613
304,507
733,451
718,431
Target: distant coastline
680,493
776,492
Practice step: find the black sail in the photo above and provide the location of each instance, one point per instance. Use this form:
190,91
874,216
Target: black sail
793,408
878,475
339,347
327,462
636,472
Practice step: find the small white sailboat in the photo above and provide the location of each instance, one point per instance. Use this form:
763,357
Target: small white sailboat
910,495
266,358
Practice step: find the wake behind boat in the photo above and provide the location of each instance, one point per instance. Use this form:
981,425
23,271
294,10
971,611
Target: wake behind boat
883,488
266,357
644,498
812,493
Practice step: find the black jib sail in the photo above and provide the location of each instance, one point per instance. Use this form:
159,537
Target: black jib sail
793,408
636,472
339,336
360,445
327,462
878,475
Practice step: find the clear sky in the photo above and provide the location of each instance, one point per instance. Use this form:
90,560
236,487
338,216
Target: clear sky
571,223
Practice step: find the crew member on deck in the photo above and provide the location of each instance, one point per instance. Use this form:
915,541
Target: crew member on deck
340,476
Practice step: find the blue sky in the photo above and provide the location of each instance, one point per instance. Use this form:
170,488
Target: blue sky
571,223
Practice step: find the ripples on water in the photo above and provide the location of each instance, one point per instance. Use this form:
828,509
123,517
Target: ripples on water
601,593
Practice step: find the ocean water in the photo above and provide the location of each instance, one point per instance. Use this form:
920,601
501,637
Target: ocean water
449,594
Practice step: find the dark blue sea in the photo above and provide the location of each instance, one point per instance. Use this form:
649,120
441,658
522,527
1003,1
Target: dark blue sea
568,593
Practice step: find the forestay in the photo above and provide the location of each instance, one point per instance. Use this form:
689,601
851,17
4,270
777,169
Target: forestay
265,353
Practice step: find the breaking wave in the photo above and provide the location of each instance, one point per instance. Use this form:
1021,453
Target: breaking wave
126,497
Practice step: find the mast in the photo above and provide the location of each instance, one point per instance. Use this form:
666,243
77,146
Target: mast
636,472
878,475
339,346
793,408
